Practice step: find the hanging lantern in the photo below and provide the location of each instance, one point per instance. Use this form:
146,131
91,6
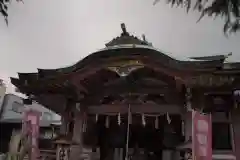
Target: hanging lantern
107,122
119,119
143,120
96,118
168,118
236,95
156,122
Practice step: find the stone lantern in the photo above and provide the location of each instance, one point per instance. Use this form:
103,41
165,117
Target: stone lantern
186,148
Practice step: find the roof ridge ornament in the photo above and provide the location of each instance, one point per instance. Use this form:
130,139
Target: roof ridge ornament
126,39
145,40
124,30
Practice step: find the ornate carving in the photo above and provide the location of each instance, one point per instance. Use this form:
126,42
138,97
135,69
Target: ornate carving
124,68
210,80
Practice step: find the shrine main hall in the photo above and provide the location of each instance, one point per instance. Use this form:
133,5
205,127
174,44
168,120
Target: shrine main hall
131,101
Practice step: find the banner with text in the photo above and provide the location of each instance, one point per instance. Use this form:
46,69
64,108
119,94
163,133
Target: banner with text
201,136
31,127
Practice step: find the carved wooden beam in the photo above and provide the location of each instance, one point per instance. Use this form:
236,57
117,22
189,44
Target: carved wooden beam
100,93
209,80
135,108
137,89
84,72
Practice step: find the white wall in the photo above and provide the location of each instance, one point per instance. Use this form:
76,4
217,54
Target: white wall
11,102
2,94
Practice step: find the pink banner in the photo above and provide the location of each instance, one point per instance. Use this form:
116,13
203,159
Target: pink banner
31,127
201,136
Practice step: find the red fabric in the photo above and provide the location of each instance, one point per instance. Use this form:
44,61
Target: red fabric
201,136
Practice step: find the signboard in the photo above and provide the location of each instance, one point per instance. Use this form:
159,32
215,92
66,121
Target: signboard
31,126
201,136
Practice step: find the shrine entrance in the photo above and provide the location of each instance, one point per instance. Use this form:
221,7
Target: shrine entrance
133,135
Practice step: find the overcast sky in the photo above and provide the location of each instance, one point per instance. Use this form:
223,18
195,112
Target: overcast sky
57,33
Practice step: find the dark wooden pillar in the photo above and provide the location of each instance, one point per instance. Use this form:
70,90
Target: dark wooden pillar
63,143
236,132
64,123
77,141
188,125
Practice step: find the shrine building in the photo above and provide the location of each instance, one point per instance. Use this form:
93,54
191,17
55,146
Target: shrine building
130,101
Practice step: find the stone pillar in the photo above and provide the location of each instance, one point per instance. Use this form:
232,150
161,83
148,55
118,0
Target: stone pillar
77,142
62,151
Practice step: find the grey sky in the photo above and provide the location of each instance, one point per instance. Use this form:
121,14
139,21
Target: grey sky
56,33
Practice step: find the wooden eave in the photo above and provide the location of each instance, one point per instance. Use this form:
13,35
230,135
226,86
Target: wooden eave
151,58
28,76
39,87
151,54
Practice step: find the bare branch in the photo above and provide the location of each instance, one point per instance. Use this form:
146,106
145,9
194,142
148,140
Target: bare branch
229,10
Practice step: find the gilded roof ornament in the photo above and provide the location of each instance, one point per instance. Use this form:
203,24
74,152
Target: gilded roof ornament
125,39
